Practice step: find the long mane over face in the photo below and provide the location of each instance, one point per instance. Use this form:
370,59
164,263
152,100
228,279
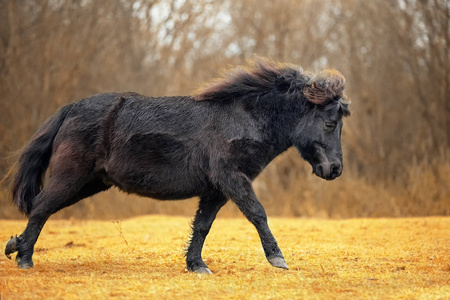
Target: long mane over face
258,76
261,75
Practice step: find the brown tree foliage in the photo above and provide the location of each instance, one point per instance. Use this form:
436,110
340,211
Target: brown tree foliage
394,54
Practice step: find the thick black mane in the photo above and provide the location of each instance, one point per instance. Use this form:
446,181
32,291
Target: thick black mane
259,76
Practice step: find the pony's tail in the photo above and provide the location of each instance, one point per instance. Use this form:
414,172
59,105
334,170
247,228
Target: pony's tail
33,162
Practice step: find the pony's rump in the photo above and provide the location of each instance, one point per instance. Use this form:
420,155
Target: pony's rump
34,161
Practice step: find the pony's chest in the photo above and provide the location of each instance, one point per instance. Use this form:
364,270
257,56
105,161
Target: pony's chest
249,156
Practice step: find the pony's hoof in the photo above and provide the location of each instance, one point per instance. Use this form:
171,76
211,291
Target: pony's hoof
25,264
203,270
197,266
278,262
11,246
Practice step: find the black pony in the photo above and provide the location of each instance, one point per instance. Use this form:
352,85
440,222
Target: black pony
211,144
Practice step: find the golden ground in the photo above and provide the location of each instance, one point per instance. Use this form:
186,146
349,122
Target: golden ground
358,258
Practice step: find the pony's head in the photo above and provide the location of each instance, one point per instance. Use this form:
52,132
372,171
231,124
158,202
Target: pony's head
318,133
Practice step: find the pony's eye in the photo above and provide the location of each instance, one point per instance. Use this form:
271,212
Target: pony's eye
329,125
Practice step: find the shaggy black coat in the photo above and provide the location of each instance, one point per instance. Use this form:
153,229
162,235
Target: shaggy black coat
211,145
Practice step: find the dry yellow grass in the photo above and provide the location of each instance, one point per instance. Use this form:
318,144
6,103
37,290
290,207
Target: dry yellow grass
358,258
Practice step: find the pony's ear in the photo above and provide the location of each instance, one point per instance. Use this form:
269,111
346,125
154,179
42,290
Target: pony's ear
328,85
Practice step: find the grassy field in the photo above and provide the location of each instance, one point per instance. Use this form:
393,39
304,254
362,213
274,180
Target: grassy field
143,258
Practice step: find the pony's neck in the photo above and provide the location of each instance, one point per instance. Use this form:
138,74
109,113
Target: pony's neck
278,116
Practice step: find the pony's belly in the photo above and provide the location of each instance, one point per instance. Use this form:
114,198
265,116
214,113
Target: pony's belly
158,183
164,196
158,165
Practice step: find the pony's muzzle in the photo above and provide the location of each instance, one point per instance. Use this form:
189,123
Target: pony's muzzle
328,171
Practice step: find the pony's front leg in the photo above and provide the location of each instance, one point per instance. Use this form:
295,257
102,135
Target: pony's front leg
208,208
238,186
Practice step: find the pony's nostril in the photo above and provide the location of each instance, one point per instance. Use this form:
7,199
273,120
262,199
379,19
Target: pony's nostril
335,170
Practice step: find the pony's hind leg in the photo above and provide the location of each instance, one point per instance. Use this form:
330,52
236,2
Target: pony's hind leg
52,198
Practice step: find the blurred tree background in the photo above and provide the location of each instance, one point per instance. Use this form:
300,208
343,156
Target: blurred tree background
394,53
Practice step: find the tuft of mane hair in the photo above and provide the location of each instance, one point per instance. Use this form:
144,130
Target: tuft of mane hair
262,75
329,84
